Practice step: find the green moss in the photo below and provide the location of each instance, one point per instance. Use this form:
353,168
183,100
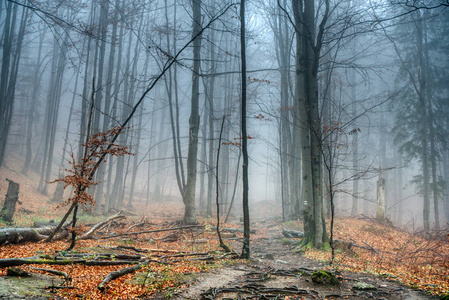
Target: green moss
326,247
324,277
286,241
360,285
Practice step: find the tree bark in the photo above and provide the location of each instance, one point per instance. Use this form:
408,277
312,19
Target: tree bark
246,223
11,199
189,196
23,235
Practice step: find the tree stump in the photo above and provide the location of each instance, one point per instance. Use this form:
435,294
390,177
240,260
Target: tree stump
12,197
380,213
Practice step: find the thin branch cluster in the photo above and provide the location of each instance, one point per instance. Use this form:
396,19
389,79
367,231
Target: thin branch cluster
80,175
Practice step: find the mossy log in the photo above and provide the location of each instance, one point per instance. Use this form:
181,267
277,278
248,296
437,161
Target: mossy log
39,260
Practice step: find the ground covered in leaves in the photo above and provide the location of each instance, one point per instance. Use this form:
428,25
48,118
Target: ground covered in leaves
372,260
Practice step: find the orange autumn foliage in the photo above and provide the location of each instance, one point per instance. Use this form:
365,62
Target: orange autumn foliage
402,256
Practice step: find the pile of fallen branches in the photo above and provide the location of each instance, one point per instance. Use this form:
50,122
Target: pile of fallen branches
106,229
134,261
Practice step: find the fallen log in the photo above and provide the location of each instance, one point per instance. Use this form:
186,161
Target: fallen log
292,233
119,273
20,235
12,262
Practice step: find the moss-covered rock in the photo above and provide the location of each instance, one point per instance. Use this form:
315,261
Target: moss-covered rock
360,285
324,277
16,271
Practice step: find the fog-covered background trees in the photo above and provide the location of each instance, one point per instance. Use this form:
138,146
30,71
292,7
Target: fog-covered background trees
340,94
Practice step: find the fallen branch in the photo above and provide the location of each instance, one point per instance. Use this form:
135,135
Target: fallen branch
55,272
141,223
149,231
119,273
101,224
349,245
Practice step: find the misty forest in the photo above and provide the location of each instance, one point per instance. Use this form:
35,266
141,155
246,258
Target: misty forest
206,149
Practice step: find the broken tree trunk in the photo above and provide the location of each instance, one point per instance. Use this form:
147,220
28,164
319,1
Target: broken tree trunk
12,197
380,213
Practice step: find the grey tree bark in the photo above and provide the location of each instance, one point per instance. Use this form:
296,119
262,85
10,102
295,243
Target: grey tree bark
308,46
189,196
245,198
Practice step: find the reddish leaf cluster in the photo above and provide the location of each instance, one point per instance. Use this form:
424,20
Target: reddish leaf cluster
262,117
258,80
80,175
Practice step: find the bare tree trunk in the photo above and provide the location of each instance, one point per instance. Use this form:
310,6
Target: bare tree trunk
30,122
135,160
424,125
355,143
246,222
99,95
189,196
110,195
399,189
174,113
309,43
52,110
9,71
202,200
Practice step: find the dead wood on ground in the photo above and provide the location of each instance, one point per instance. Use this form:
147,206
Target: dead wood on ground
150,231
54,272
119,273
21,235
98,226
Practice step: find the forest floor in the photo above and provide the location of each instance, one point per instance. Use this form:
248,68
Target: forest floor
277,272
377,261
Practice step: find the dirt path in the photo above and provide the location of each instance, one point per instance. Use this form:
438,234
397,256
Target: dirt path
276,272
